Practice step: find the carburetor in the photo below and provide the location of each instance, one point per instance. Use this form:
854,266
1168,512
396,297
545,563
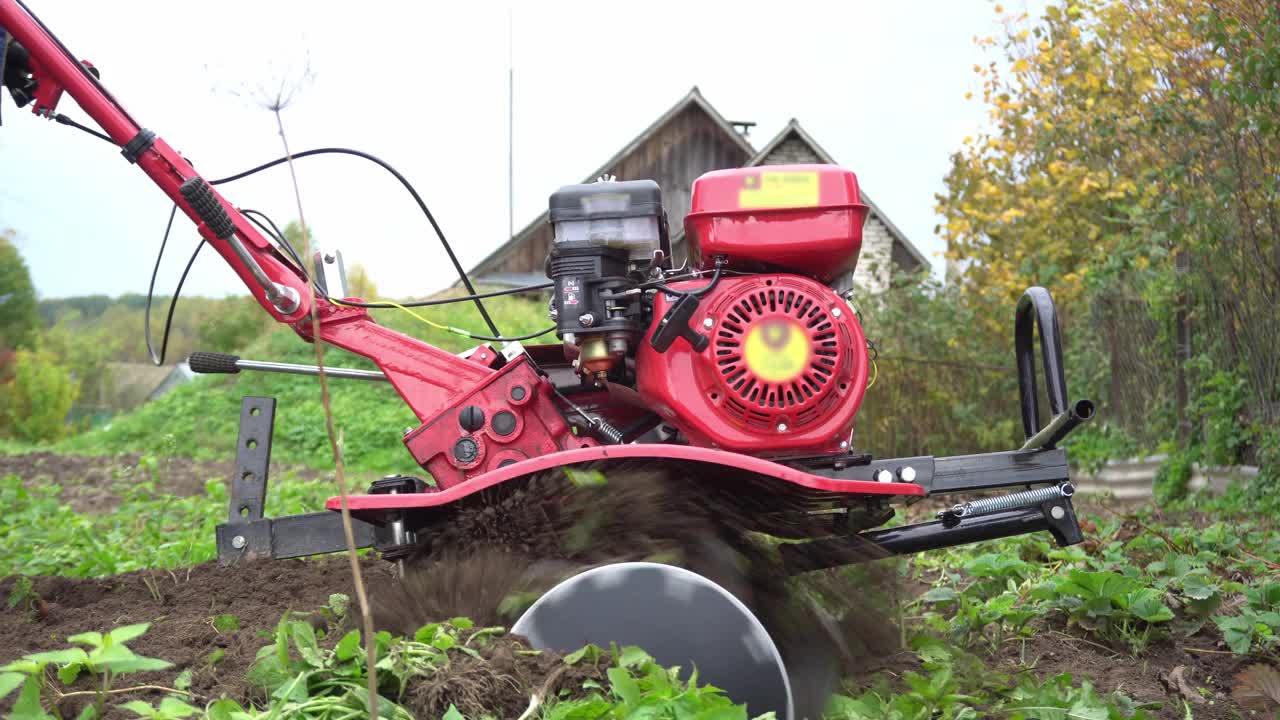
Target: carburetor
608,235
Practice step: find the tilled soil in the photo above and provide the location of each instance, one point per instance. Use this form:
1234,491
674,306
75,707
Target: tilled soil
89,482
1170,671
181,607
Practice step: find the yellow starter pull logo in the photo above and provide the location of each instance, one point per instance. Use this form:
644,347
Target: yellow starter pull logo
777,351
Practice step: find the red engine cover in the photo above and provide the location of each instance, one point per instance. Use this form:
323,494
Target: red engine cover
784,373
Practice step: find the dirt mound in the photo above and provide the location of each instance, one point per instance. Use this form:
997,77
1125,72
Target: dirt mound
181,607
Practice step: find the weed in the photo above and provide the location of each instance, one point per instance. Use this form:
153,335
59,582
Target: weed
107,656
225,623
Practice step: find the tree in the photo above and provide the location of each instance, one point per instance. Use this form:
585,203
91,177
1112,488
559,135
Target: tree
34,406
19,313
292,233
1131,167
233,323
359,284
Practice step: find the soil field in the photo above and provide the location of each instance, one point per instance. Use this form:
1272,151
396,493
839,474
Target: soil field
182,605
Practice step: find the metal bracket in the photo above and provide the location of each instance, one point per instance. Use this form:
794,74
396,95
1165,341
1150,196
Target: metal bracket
1057,516
248,534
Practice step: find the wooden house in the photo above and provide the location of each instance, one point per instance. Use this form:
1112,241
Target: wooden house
688,140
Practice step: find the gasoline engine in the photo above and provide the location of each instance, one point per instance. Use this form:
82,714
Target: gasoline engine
745,348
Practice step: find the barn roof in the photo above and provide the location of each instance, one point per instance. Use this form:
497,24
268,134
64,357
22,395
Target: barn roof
490,270
693,98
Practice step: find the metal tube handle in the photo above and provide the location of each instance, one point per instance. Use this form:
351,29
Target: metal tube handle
1036,308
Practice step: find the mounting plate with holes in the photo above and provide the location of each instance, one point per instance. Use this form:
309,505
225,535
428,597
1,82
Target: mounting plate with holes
248,534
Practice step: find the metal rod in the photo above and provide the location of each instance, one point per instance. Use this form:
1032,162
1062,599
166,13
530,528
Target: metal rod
1079,412
910,539
292,369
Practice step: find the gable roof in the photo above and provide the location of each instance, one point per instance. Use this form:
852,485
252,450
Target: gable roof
793,128
693,98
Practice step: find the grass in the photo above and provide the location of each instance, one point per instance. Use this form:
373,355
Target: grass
41,535
203,415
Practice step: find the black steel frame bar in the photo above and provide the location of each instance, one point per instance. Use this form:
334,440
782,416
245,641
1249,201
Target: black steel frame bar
248,534
1057,517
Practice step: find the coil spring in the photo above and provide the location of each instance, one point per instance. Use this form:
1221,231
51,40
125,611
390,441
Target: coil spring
986,506
606,431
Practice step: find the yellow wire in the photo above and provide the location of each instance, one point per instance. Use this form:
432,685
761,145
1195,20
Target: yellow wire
398,306
875,373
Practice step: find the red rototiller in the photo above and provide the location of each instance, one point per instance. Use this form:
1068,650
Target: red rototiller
744,362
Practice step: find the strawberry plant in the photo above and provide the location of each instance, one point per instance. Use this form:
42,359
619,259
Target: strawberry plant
1257,625
1117,607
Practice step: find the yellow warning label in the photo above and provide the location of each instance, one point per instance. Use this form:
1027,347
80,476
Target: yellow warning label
779,189
777,350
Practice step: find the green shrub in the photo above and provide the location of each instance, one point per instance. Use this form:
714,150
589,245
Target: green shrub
35,404
1267,484
1174,476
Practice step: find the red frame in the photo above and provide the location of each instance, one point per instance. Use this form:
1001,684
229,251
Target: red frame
434,383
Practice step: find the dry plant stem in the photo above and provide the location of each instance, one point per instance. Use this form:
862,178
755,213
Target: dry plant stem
1209,652
80,693
362,598
540,697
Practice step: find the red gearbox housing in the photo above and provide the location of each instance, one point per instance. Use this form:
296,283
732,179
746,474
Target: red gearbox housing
784,371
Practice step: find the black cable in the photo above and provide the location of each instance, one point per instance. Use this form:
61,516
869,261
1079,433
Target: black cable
173,303
446,301
284,243
64,120
715,278
462,274
281,241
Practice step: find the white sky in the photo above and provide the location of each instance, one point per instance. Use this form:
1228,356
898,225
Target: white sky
424,86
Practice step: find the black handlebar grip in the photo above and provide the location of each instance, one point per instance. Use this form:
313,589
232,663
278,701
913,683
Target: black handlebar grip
212,362
200,196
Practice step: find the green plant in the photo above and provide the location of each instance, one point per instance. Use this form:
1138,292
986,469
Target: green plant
1091,447
1116,607
1258,624
1267,485
1219,407
19,318
306,680
107,657
640,688
1174,475
225,623
24,594
170,708
150,529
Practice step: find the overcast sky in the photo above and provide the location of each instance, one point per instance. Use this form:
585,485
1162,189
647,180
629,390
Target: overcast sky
880,85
